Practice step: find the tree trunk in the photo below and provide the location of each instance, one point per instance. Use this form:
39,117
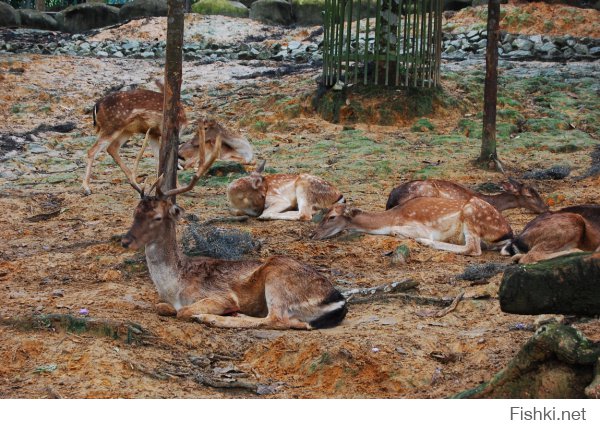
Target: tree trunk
565,285
173,76
488,144
40,5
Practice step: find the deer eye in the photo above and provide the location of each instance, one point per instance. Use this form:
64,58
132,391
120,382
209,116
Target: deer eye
157,218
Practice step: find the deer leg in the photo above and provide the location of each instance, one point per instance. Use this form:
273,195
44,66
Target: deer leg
471,247
277,211
535,256
243,321
165,309
93,152
206,306
305,208
113,150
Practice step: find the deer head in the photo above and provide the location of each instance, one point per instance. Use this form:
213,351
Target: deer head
338,218
155,214
248,194
208,129
526,195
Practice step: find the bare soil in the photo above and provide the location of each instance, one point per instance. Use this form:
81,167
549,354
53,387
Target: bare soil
70,259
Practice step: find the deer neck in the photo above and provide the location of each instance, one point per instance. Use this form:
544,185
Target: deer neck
374,222
501,202
164,264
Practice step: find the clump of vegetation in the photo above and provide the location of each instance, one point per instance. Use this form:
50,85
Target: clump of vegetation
219,7
423,125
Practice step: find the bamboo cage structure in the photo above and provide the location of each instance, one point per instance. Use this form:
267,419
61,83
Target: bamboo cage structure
382,42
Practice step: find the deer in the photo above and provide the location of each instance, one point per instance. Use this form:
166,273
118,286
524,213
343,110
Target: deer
235,147
279,293
569,230
281,196
120,115
436,222
514,195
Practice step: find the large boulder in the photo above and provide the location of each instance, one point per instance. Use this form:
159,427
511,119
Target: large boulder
34,19
220,7
308,12
9,17
142,8
565,285
87,16
272,12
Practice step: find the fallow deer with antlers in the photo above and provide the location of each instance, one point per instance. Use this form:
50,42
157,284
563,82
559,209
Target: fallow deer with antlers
235,147
444,224
514,195
280,293
571,229
281,196
120,115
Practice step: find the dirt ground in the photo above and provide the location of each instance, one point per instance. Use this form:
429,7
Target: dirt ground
69,258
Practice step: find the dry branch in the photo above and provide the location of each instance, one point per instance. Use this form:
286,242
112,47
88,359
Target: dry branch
444,311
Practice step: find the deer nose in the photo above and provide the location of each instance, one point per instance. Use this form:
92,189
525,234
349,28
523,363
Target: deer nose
127,240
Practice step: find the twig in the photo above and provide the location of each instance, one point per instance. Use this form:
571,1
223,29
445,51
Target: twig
443,312
231,383
358,295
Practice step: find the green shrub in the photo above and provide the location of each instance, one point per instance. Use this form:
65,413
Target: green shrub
219,7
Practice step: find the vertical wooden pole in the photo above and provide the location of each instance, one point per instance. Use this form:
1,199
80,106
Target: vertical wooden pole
488,144
167,166
40,5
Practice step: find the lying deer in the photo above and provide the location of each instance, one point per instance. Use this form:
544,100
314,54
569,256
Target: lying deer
280,293
515,194
572,229
235,146
435,222
281,196
120,115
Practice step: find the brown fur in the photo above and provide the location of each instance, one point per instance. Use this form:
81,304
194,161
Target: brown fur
436,222
281,196
280,293
120,115
235,146
572,229
515,194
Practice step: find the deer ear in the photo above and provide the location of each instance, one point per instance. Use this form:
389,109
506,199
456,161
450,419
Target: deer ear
256,181
175,211
510,186
351,211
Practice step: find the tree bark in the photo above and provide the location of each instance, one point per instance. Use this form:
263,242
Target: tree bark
173,76
488,143
40,5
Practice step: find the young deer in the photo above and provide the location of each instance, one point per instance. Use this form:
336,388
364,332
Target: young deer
435,222
515,194
281,196
280,293
122,114
235,146
553,234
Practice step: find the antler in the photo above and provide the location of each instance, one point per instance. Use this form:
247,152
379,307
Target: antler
133,181
203,166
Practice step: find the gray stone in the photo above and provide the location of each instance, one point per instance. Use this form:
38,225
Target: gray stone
520,54
536,38
34,19
118,54
87,16
147,54
473,34
581,49
308,12
523,44
131,45
102,53
36,148
9,17
85,46
595,51
450,49
272,11
547,47
141,8
294,45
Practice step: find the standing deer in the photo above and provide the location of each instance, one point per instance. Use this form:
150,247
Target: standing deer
280,293
436,222
571,229
235,146
281,196
122,114
515,194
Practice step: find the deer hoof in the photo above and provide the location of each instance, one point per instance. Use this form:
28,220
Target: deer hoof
87,191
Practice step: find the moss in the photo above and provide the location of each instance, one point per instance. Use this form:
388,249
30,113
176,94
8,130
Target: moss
551,125
260,126
219,7
423,125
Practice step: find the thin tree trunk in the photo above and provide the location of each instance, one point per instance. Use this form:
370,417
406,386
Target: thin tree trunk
40,5
488,144
173,75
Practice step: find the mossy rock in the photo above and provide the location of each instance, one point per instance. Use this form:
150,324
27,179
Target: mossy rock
220,7
272,12
9,16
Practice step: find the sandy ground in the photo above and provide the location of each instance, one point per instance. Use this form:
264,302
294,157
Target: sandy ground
72,260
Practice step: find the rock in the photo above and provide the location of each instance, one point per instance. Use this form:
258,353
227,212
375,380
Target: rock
272,11
9,17
523,44
293,45
221,7
147,54
36,148
581,49
473,34
103,54
401,255
141,8
595,51
131,45
565,285
33,19
111,276
547,47
520,54
224,168
87,16
308,12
